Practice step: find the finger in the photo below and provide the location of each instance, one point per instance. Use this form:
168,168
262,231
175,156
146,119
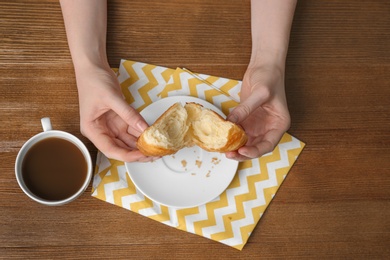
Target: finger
140,158
148,159
115,149
125,141
125,153
257,151
129,115
247,106
122,154
262,146
236,156
128,139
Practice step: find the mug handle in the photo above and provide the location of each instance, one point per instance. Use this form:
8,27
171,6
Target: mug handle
46,124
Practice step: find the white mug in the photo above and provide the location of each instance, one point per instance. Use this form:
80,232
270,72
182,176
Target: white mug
48,132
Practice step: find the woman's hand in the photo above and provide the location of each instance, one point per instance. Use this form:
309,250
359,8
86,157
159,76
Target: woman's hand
262,112
105,117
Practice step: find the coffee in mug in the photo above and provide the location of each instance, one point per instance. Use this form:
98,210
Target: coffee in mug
53,167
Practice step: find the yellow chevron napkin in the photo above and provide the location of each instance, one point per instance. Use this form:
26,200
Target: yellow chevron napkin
229,218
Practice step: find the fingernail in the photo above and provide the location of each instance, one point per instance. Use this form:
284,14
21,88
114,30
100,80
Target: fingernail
142,126
233,118
231,155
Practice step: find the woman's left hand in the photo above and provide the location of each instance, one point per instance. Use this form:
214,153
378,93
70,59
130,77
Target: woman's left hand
262,112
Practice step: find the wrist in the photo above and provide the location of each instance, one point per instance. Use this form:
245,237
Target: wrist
90,58
87,69
268,57
88,61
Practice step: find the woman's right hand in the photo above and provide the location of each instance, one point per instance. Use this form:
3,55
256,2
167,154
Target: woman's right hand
105,118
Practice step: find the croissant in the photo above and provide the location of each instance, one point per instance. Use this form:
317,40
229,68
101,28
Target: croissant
193,124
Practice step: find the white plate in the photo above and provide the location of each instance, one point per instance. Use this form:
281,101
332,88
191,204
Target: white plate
189,178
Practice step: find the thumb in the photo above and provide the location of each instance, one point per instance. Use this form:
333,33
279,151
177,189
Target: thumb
129,114
246,107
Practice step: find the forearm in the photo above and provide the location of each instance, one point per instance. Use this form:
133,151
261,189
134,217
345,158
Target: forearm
271,24
86,27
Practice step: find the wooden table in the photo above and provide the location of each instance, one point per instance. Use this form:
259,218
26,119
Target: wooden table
335,202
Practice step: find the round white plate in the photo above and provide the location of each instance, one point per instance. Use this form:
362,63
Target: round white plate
189,178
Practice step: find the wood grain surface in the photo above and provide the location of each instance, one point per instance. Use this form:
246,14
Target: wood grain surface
335,202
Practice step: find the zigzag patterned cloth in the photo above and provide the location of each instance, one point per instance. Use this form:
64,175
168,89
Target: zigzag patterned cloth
229,218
